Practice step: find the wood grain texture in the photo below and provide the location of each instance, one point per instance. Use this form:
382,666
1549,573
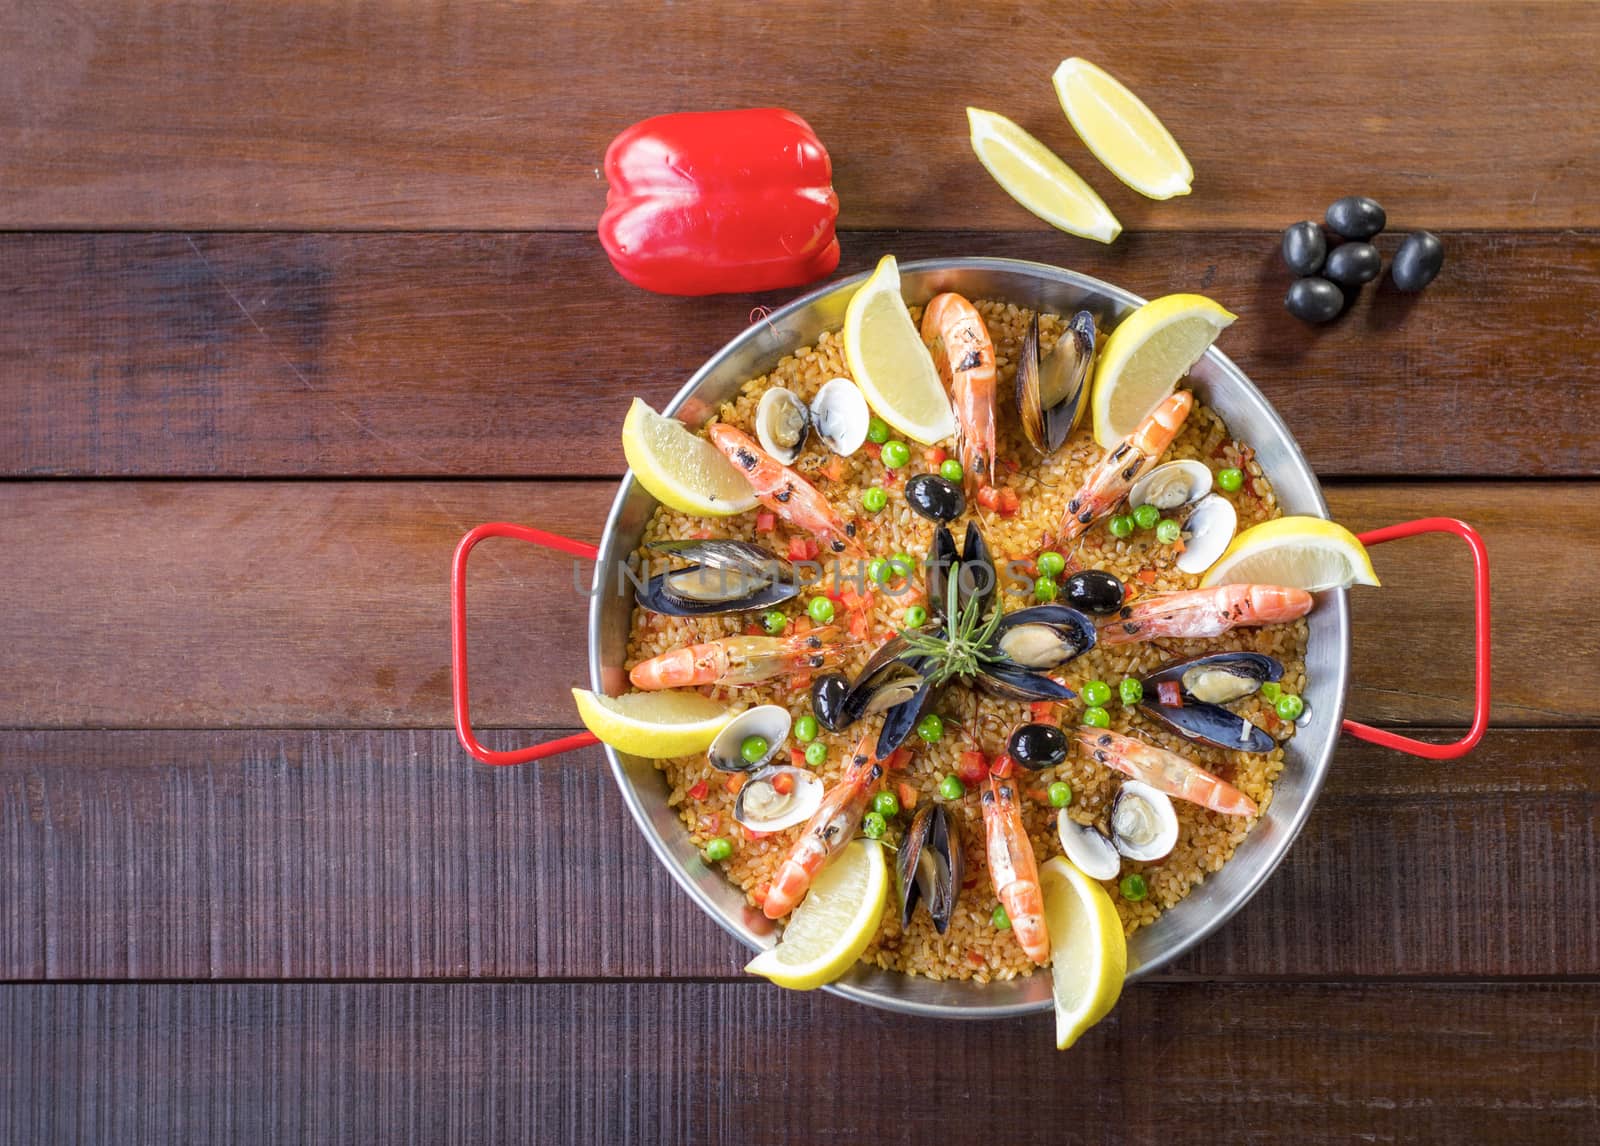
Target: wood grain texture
267,604
489,355
467,1063
336,115
390,855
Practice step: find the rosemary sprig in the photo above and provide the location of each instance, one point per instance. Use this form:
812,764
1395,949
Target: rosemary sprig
967,643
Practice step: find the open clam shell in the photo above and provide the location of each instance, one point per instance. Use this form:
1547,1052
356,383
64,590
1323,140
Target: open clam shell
1207,533
840,417
768,721
1171,485
1090,849
1144,825
778,797
782,422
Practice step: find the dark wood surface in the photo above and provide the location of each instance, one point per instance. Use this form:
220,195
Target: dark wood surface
291,295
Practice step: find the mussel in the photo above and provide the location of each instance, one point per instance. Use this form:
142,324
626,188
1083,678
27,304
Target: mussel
1200,687
840,416
1036,746
1052,389
1144,825
942,556
1093,591
782,423
767,722
778,797
1013,682
1090,849
978,577
724,576
900,719
930,866
830,692
934,498
1044,636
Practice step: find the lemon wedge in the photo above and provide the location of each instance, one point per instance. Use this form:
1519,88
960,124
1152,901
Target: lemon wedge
889,361
833,924
1089,957
1146,355
652,724
1037,178
1301,552
1123,134
681,470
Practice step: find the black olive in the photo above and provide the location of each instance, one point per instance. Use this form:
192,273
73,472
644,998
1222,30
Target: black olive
1304,248
828,693
934,498
1352,264
1356,217
1417,261
1036,746
1093,591
1314,300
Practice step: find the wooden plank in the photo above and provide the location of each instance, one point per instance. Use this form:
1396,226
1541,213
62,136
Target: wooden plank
331,116
263,604
223,355
378,855
692,1062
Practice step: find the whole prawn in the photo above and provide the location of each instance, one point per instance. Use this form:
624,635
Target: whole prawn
1173,774
1113,475
1204,612
825,835
784,491
733,660
964,353
1013,869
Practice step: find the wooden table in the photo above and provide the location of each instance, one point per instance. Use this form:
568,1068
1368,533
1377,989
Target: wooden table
296,293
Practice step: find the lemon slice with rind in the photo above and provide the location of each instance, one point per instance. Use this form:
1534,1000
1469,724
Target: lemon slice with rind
1089,952
680,469
656,725
833,924
1301,552
1146,355
1039,179
890,363
1123,134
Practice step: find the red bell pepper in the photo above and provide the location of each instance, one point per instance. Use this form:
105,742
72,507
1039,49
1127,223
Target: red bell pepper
720,202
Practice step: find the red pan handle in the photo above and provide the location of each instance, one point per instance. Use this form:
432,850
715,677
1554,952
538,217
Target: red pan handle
458,640
1480,582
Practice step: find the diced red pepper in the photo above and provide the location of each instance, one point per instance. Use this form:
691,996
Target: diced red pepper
989,498
766,522
735,781
699,790
834,470
1003,765
908,794
802,549
1170,693
753,630
797,757
1042,711
973,767
873,450
935,455
976,957
752,835
1148,576
899,760
1010,502
782,783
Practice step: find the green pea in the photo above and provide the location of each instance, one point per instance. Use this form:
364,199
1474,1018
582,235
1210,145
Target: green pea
916,616
873,826
816,753
886,804
874,499
878,431
1290,707
1060,794
1001,921
774,622
753,748
879,569
1096,693
904,564
1231,480
718,850
805,729
931,727
820,609
895,454
1051,563
1131,690
950,469
1121,525
951,787
1044,589
1168,531
1096,717
1270,691
1134,888
1146,516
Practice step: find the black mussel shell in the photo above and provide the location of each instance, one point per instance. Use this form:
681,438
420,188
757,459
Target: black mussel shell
726,553
1211,724
1059,634
1036,746
930,866
936,575
1206,720
737,577
1093,591
978,576
830,693
901,720
934,498
1013,682
1251,668
887,663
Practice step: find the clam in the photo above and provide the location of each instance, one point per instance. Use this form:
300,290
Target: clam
1044,636
1052,389
1171,485
1144,825
1207,533
840,416
1201,687
770,722
724,576
930,867
782,422
778,797
1090,849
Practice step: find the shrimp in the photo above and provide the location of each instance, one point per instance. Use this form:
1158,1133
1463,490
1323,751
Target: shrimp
1171,773
785,492
825,835
1111,478
733,660
965,356
1204,612
1013,868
